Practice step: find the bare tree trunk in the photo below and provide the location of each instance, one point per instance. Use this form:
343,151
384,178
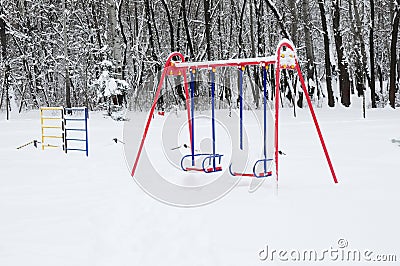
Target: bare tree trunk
294,28
361,42
234,17
240,36
171,27
22,98
178,31
153,18
260,28
220,34
392,9
6,74
309,46
157,66
67,80
380,77
328,69
114,39
207,21
344,79
187,30
255,90
150,30
97,27
28,73
2,94
3,42
124,39
393,55
240,44
136,18
372,53
67,88
356,51
279,18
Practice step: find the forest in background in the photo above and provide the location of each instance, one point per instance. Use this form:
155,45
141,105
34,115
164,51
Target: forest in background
54,52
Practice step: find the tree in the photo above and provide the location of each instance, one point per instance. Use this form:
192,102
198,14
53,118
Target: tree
327,55
294,21
359,37
137,35
279,18
124,39
372,53
187,29
207,22
3,42
308,45
67,78
344,79
240,35
171,27
393,55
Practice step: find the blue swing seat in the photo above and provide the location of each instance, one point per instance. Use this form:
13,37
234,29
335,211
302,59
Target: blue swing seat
206,168
254,174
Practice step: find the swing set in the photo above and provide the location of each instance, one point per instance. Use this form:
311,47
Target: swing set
284,59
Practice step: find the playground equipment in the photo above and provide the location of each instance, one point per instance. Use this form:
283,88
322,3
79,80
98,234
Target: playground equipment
209,164
285,58
70,118
55,119
52,125
264,160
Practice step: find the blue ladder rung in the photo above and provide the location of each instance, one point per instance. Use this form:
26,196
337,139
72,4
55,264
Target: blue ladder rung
76,139
73,149
75,129
75,108
75,119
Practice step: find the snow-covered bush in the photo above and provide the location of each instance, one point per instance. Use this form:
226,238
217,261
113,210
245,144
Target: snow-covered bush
109,89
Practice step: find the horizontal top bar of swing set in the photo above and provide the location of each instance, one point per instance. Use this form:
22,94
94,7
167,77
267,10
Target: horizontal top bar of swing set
226,63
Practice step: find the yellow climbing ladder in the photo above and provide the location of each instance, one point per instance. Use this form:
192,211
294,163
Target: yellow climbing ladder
48,120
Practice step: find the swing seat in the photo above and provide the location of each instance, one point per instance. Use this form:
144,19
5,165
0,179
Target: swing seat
206,167
211,169
254,174
193,169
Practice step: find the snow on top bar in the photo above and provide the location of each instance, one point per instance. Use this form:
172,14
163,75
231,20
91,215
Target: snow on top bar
230,62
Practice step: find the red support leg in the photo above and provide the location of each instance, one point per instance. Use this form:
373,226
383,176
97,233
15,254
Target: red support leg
153,107
146,129
277,77
316,122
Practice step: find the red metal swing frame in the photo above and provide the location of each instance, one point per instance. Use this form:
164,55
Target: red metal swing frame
181,68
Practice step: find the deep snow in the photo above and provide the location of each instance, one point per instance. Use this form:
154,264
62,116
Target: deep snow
58,209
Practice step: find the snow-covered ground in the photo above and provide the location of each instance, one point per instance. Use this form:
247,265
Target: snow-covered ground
58,209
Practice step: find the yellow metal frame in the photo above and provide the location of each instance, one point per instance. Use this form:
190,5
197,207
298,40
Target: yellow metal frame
44,126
